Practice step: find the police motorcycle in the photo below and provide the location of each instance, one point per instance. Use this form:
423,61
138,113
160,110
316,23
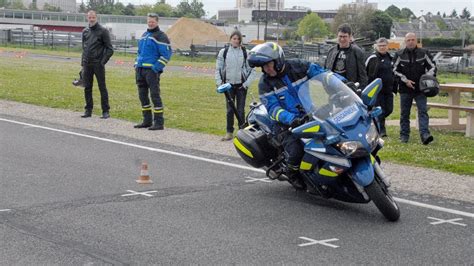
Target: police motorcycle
340,138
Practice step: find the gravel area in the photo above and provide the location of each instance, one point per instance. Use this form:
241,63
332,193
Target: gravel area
413,179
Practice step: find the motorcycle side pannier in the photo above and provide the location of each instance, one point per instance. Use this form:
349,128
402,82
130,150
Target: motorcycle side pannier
252,145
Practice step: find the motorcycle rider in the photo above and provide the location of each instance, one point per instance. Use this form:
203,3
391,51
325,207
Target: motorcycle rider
278,89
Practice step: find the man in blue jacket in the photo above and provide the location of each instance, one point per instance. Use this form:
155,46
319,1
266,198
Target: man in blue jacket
278,90
154,52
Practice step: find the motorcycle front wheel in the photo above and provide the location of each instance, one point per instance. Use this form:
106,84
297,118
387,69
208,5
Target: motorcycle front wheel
384,201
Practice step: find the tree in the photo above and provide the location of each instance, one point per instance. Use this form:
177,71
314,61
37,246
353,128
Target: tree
312,26
406,13
163,10
48,7
381,25
394,12
143,10
465,14
129,10
359,19
4,3
454,14
438,14
195,9
16,4
444,14
101,6
82,8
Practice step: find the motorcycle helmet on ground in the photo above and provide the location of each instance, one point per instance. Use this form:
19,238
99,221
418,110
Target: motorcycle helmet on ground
429,85
266,52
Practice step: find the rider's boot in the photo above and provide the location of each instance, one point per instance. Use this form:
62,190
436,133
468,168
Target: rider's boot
294,177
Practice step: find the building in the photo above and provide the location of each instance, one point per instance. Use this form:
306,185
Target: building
64,5
262,4
361,4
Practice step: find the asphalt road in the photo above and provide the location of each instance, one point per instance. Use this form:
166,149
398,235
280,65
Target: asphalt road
67,196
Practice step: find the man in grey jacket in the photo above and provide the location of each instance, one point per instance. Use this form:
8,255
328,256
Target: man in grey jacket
232,67
346,58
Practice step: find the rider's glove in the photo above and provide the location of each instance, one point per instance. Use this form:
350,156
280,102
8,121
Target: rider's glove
297,122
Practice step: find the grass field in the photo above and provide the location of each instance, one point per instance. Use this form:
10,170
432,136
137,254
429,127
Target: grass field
192,104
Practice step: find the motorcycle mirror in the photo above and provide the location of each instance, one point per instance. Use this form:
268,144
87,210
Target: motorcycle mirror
224,88
369,94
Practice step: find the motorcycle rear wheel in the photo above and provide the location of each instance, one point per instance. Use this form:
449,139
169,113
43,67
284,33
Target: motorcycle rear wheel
384,201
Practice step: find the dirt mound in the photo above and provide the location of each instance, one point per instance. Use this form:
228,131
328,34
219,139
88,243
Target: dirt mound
186,31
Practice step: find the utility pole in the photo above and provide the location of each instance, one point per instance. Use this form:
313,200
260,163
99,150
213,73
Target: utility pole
258,22
278,20
266,21
421,28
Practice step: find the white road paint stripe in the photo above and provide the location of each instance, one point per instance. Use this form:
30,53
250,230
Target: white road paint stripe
410,202
5,210
434,207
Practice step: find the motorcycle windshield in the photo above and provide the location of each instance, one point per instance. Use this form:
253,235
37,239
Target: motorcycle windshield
325,96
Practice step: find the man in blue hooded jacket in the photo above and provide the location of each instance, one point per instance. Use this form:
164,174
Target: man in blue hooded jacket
278,90
154,52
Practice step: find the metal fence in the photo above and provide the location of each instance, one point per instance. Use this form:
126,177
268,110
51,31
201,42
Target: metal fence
55,39
450,60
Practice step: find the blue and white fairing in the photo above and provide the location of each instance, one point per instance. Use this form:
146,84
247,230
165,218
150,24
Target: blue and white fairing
341,131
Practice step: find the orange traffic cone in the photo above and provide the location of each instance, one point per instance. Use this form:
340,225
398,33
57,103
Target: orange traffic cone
144,177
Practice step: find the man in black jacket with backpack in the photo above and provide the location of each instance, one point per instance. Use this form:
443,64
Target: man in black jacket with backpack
409,65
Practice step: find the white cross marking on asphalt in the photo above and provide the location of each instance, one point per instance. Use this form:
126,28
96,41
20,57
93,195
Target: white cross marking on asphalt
441,221
314,242
252,179
5,210
144,193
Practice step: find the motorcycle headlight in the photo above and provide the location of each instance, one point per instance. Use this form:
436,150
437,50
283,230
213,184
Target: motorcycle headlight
372,136
352,148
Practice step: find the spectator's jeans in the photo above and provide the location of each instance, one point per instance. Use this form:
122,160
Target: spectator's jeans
238,95
406,100
88,72
385,101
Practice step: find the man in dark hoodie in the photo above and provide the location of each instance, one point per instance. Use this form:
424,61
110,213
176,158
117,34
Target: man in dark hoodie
96,52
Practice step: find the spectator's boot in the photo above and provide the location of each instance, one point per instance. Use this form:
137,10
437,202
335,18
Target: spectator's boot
147,120
426,138
158,122
404,138
227,136
87,113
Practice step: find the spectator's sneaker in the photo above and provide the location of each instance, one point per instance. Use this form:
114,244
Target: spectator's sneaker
78,83
426,139
156,127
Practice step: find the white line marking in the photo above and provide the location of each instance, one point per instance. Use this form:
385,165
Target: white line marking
414,203
140,146
144,193
5,210
434,207
450,221
321,242
252,179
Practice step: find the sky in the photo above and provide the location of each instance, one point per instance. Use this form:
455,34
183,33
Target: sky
433,6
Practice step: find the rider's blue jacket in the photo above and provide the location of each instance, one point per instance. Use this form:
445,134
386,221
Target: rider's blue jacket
280,94
154,50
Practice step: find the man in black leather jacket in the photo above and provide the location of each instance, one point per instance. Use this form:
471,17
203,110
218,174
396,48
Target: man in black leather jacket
409,65
346,58
96,52
379,65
